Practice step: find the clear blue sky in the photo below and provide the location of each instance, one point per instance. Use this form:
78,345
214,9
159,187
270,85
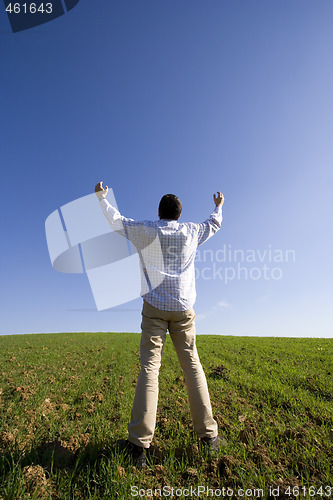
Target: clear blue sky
185,97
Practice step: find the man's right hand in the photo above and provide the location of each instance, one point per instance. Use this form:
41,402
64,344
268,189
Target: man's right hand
100,191
219,199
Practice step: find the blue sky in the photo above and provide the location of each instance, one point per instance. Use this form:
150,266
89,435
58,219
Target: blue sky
186,97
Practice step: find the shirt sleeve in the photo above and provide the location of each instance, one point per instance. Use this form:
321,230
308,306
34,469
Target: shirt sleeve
129,228
113,216
210,226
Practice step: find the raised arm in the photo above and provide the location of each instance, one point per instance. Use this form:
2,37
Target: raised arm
129,228
111,213
213,223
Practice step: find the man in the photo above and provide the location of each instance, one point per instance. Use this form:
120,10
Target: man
167,305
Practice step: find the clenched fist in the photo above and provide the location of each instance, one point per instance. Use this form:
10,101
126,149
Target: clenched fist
219,199
100,191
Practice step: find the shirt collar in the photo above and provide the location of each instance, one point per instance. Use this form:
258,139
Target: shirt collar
166,222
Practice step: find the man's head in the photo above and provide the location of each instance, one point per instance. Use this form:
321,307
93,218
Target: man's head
170,207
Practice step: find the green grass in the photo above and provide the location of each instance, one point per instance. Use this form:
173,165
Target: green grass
65,399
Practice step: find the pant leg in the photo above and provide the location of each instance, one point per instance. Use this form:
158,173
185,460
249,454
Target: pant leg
182,332
143,417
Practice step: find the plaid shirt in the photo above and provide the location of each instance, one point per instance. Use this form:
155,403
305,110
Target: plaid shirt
167,261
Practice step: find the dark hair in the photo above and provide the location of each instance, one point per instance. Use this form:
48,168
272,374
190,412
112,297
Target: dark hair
170,207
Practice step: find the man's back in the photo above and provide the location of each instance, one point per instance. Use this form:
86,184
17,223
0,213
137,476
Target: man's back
167,252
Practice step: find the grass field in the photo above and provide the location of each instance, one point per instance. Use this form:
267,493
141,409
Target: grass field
66,398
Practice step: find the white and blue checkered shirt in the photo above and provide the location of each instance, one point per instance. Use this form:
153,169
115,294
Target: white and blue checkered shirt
171,264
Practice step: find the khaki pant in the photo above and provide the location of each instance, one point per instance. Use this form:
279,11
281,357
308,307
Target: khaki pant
180,324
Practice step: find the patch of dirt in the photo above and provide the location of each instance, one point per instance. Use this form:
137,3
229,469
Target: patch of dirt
219,468
160,472
25,439
36,481
248,434
6,439
64,407
260,456
189,452
76,442
121,471
96,397
162,422
190,474
46,407
301,434
25,392
220,372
